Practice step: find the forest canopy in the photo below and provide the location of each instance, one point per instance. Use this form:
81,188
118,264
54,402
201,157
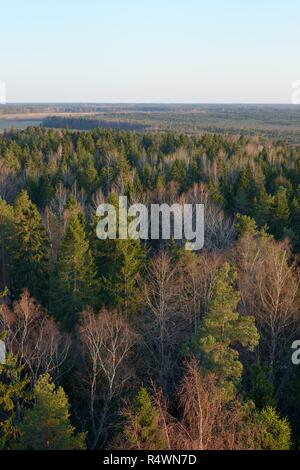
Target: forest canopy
138,344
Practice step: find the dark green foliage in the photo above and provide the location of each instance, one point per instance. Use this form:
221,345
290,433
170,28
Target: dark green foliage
280,213
260,389
6,237
30,250
46,426
120,264
142,430
73,282
51,182
13,390
221,330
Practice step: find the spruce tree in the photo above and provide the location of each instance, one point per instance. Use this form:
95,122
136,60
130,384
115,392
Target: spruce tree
121,287
262,207
275,431
13,390
280,213
142,430
245,225
30,262
6,236
73,282
46,426
120,264
295,218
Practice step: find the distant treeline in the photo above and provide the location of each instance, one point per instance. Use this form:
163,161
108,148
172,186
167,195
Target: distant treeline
85,124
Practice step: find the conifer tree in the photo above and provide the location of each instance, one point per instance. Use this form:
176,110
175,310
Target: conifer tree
275,431
280,213
30,250
223,328
245,225
262,207
142,430
120,264
121,287
260,389
295,218
6,236
46,426
73,282
13,389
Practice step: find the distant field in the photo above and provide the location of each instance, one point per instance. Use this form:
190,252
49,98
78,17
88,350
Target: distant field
276,121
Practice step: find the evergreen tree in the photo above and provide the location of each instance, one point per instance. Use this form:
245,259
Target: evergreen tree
215,193
280,213
295,218
6,236
244,192
245,225
260,389
275,431
46,426
121,287
262,207
30,250
120,264
142,430
73,282
178,172
13,390
223,328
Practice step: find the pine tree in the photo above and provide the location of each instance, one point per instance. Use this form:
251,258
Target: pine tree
223,328
46,426
73,282
142,430
30,251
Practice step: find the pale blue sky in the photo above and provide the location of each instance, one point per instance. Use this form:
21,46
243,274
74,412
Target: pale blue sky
149,50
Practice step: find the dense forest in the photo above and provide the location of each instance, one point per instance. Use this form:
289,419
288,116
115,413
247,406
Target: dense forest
124,344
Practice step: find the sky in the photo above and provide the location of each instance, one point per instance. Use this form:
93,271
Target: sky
159,51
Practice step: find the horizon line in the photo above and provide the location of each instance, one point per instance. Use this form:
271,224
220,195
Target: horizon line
109,103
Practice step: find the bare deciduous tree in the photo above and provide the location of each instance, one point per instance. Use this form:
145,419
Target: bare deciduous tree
107,341
219,229
208,422
270,291
163,319
33,337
